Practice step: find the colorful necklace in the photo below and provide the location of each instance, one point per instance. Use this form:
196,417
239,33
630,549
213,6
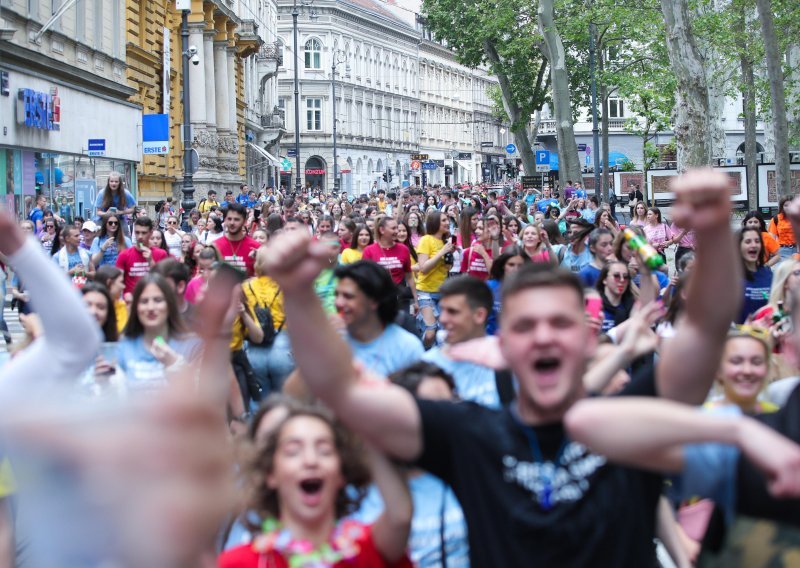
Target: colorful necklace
343,544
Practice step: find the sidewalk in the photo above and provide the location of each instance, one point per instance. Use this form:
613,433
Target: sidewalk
12,319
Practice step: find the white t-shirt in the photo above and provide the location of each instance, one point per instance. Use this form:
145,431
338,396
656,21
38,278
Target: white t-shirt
174,243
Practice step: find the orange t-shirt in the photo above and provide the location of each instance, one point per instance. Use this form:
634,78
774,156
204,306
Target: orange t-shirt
781,228
771,245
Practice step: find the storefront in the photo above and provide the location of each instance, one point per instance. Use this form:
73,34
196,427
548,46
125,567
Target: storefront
62,142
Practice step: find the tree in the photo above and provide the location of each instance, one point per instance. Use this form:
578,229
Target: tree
500,36
691,125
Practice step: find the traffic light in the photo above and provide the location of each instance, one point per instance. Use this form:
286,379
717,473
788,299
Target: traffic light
385,177
390,174
509,170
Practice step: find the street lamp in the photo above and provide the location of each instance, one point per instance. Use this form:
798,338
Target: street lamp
337,57
189,53
295,15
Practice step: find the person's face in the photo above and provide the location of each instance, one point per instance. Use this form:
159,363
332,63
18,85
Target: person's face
581,203
201,224
97,305
538,217
618,278
142,235
744,369
651,217
752,223
554,213
41,202
186,244
261,237
204,267
152,308
156,239
234,223
229,196
306,472
112,225
113,181
245,189
336,209
530,237
413,221
513,264
389,230
604,218
73,238
344,233
324,227
546,193
434,388
88,236
27,228
513,226
640,210
604,248
459,320
750,246
352,305
402,233
116,286
545,339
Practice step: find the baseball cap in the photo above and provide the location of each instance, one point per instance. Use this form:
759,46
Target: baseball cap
89,226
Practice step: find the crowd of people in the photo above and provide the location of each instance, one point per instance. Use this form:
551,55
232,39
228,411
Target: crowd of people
438,377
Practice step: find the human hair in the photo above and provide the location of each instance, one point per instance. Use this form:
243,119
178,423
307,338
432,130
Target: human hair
234,207
144,222
553,232
755,215
465,225
595,236
676,301
601,280
408,243
66,230
477,293
760,260
433,222
636,216
108,194
163,245
376,283
657,212
109,327
498,270
272,402
536,275
327,219
263,500
106,274
593,199
782,203
780,274
175,325
598,219
620,241
586,229
508,219
348,223
173,269
357,231
683,262
119,236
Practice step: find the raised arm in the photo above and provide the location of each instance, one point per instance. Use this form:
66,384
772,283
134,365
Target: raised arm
71,336
649,433
383,414
690,360
391,529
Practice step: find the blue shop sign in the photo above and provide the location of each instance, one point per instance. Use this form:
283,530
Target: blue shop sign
39,110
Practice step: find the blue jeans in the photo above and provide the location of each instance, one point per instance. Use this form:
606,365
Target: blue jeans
786,252
272,365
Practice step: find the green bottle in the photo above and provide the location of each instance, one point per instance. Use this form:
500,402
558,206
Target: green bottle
645,250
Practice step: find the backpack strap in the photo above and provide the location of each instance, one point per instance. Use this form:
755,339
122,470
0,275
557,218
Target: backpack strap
505,386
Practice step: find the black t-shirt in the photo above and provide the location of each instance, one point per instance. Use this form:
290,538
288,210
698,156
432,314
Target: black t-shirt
752,497
599,514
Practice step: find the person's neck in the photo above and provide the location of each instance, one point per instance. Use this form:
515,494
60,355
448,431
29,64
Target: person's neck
746,406
530,415
613,298
751,266
368,330
386,242
475,334
150,334
235,237
71,248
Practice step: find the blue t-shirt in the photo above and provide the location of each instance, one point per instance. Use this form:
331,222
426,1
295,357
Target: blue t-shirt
428,493
493,321
73,259
589,276
145,373
36,215
392,350
110,254
572,261
474,383
589,214
545,203
530,199
756,292
129,202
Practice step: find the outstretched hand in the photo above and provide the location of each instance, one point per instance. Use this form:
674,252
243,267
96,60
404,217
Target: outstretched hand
11,236
702,200
295,260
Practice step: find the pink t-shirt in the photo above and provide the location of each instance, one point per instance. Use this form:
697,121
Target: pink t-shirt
194,288
237,253
473,264
133,263
397,259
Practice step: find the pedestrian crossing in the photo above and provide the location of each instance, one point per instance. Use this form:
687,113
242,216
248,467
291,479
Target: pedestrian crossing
14,327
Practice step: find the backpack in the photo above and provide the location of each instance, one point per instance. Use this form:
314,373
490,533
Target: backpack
265,321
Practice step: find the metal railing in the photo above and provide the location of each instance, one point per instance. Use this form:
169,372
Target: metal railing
272,121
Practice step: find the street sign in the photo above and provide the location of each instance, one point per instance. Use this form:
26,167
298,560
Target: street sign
155,134
464,156
183,5
419,157
96,147
542,168
415,165
286,165
429,166
511,148
439,163
543,157
581,147
531,182
487,144
291,153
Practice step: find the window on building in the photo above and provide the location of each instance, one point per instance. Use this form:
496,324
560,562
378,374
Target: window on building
616,108
313,114
313,54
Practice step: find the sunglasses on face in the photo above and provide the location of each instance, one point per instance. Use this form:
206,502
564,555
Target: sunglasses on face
114,223
172,223
618,276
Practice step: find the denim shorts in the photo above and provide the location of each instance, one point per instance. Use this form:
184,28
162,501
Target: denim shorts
428,300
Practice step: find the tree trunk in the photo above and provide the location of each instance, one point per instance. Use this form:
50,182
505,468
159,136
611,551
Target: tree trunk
775,75
691,99
793,82
519,123
568,164
749,99
604,136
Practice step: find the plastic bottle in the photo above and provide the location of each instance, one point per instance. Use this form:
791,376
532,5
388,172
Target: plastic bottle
645,250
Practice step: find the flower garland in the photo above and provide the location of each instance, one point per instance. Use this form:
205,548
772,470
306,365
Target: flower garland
343,545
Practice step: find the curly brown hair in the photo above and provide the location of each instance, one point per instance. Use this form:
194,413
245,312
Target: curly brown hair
263,501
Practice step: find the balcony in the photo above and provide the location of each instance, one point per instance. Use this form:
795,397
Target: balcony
271,51
273,125
617,123
547,126
248,42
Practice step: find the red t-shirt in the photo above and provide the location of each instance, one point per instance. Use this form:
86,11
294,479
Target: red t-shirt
397,259
368,557
474,264
133,263
237,253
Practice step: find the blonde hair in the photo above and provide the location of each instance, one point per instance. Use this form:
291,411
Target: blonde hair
780,274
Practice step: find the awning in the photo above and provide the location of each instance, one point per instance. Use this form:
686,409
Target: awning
275,161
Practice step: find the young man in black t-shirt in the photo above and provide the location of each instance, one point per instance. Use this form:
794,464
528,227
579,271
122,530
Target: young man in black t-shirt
530,494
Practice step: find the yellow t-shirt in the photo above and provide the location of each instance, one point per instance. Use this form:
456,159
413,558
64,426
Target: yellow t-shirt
349,256
261,290
433,280
206,206
121,311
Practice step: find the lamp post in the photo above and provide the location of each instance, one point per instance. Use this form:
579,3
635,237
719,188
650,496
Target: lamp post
187,53
337,57
295,15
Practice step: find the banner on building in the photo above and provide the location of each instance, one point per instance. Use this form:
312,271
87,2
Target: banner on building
155,134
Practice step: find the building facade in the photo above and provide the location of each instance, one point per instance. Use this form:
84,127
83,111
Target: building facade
66,119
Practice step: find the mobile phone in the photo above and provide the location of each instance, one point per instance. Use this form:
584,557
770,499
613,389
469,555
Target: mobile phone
594,306
112,209
454,239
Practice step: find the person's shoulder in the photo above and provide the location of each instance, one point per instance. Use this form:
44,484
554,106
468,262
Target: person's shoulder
400,335
242,556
